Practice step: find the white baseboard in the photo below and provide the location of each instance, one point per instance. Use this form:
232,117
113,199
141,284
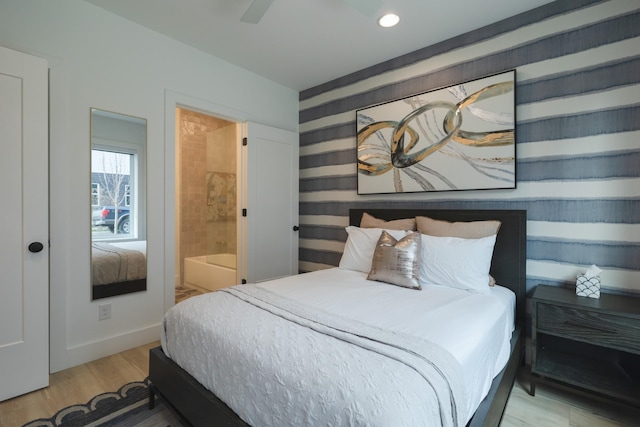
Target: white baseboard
89,352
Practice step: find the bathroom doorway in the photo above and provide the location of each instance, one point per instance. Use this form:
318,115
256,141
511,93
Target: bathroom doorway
206,202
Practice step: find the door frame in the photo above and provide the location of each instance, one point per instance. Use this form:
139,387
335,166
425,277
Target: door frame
175,100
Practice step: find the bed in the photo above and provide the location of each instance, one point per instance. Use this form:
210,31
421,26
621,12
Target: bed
199,406
118,268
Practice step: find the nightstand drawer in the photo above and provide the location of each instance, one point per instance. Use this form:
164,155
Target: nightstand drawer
591,326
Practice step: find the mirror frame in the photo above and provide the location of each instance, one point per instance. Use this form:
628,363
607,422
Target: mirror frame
118,264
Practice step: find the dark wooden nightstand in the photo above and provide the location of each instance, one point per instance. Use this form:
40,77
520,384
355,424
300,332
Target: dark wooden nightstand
591,345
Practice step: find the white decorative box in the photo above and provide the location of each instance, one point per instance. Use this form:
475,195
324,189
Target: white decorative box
588,286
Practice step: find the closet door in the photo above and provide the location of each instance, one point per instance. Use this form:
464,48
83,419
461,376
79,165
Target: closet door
24,224
271,239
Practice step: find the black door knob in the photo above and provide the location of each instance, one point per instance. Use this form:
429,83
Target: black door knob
296,228
36,247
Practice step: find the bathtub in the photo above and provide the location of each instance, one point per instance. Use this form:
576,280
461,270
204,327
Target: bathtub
210,272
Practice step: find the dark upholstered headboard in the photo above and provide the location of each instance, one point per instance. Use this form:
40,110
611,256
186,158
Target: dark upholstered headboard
508,265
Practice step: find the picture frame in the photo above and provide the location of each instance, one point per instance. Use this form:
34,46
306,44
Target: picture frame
459,137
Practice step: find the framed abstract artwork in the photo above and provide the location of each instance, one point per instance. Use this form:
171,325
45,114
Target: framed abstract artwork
460,137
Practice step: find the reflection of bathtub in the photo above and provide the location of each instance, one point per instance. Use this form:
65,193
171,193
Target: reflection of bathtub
210,272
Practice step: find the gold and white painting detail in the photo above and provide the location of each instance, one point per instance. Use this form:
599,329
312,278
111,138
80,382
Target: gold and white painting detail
461,137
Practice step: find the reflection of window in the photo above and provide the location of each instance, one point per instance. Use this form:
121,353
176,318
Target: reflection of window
95,194
114,169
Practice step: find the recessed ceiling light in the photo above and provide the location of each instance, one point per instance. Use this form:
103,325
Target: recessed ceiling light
388,20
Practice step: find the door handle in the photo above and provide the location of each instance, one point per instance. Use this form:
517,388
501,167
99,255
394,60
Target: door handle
36,247
296,228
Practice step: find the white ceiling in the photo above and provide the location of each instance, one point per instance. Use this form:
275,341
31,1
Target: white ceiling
303,43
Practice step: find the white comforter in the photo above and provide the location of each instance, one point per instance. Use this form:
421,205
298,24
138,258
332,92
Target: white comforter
279,370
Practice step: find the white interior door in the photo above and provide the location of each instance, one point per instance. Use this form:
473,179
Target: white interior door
271,172
24,219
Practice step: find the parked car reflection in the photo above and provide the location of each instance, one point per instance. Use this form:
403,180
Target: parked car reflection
105,216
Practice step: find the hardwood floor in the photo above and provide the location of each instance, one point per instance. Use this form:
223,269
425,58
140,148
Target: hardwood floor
549,408
557,408
77,385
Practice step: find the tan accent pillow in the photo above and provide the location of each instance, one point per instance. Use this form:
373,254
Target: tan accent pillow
465,230
369,221
397,261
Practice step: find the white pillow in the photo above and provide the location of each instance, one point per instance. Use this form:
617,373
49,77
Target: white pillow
457,262
361,243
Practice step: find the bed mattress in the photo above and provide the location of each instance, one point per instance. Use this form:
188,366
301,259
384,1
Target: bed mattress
249,363
113,264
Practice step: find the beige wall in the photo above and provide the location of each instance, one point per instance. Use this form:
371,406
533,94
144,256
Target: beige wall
206,155
221,214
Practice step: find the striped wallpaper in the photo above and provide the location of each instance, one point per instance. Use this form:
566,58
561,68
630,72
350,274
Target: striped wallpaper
577,68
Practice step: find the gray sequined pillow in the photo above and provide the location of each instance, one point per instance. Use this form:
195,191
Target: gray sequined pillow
397,261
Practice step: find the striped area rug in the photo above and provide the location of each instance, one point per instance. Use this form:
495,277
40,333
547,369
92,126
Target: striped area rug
128,407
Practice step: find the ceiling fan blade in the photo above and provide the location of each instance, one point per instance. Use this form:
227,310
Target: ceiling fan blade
256,11
366,7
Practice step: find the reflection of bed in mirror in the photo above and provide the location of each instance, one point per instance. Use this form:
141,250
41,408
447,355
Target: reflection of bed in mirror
118,268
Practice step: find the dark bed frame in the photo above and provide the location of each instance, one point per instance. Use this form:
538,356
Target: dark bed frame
197,406
120,288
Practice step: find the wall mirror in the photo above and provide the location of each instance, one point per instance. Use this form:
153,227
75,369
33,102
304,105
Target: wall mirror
118,204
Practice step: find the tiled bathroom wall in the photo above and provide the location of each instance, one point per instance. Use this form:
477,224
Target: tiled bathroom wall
206,185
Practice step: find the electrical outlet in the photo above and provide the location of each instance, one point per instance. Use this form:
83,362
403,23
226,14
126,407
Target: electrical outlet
104,311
